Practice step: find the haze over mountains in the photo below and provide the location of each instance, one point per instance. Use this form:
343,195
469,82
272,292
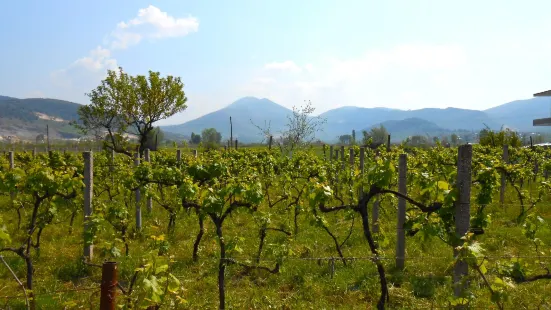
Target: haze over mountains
248,111
27,118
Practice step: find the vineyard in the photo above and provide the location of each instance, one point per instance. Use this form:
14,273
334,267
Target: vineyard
346,228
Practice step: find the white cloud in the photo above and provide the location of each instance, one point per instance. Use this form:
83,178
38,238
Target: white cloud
153,23
400,76
150,23
94,66
283,66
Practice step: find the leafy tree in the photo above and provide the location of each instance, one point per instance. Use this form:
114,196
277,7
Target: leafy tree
211,137
378,135
417,140
489,137
345,139
125,105
195,138
454,139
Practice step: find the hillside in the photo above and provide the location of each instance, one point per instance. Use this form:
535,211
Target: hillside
520,113
244,113
27,118
343,120
401,129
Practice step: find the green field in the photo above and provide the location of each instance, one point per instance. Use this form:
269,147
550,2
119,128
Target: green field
289,202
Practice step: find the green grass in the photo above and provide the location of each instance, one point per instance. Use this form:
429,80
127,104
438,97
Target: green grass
302,283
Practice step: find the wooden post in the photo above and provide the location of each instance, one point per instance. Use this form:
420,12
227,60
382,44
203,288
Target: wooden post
388,143
179,155
400,232
11,158
195,153
505,158
236,144
34,152
270,144
88,196
109,278
331,153
351,159
462,211
342,157
138,197
12,166
147,158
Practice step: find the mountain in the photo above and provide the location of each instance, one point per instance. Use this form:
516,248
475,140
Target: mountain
401,129
27,118
519,114
343,120
244,112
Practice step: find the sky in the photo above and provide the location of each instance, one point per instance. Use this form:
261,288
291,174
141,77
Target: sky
401,54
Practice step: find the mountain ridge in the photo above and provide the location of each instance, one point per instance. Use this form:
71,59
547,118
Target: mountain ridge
28,117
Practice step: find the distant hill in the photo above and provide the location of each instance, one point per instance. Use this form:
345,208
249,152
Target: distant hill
27,118
401,129
242,111
519,114
343,120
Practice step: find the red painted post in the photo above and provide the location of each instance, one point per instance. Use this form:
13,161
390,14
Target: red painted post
108,286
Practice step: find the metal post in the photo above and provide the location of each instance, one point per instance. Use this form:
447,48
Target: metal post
138,197
400,232
503,179
109,281
149,202
88,195
462,212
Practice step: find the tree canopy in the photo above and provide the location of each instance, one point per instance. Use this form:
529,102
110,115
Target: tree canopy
123,106
378,135
211,137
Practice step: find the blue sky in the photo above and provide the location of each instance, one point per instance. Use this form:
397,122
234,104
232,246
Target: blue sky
398,54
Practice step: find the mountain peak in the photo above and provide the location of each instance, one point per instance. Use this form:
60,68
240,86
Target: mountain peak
253,102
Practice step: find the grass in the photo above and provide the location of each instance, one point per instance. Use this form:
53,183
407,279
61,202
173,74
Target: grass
304,282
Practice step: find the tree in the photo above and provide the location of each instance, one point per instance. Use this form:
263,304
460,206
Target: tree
211,137
124,105
301,128
345,139
499,138
417,140
454,139
353,137
378,135
195,138
154,138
